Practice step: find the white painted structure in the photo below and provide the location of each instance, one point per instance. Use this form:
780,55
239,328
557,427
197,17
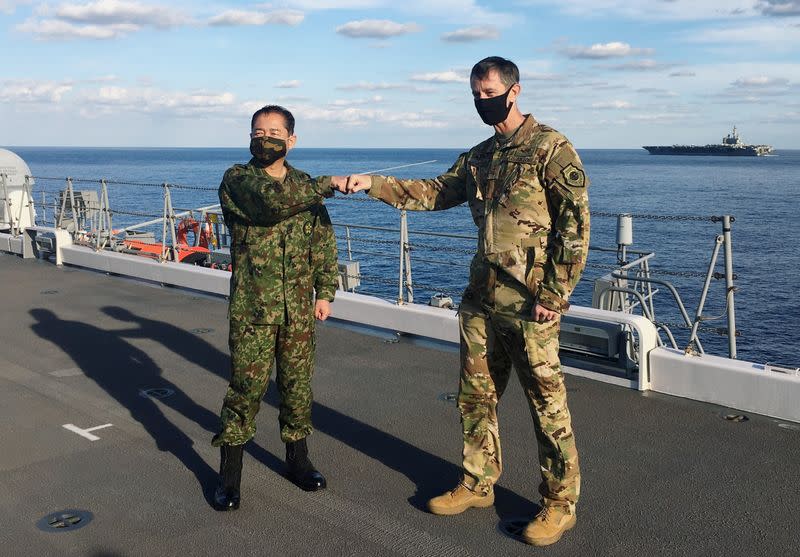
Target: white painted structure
16,204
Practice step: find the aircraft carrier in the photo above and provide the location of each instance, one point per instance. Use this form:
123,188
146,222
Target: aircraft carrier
731,146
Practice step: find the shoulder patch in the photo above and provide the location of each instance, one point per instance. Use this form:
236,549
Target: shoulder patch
574,176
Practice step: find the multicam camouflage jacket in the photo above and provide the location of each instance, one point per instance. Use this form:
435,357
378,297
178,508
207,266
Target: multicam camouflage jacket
282,244
528,197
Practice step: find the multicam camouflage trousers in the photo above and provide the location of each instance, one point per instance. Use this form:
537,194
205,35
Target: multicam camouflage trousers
490,344
253,349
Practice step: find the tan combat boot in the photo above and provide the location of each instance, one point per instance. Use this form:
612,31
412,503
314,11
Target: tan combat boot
549,525
458,500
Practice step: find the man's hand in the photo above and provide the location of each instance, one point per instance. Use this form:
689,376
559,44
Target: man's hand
358,182
322,309
339,183
541,314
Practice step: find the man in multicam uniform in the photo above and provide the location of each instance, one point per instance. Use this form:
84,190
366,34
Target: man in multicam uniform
283,250
527,192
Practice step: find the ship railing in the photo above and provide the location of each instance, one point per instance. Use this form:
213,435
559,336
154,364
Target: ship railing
630,286
13,216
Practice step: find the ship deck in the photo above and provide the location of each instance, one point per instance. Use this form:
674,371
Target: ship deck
661,475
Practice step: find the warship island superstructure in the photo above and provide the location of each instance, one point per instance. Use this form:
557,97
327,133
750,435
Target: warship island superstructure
731,146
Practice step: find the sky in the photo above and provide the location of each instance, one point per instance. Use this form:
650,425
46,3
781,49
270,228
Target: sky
388,73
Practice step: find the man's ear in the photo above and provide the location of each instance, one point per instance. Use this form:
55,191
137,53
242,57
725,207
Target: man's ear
291,141
516,89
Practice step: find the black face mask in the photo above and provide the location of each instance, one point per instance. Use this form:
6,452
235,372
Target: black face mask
267,150
494,110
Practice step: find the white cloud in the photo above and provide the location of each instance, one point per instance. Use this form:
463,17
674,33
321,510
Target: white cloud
28,91
606,50
442,77
318,5
770,33
352,116
8,6
153,100
643,66
383,86
657,92
458,12
367,86
356,102
535,76
234,18
654,10
119,11
376,29
614,104
683,73
472,34
55,29
293,84
453,12
760,81
101,19
780,7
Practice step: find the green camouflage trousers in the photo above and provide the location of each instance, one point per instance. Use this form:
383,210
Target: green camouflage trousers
253,349
490,344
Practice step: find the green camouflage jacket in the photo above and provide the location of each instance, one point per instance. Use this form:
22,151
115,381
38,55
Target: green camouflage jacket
282,243
528,198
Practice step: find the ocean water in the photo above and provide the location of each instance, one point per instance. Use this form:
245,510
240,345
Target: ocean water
763,194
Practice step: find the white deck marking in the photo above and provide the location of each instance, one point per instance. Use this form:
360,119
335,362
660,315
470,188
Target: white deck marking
85,432
69,372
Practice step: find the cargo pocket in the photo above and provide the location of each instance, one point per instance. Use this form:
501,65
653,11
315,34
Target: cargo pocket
534,268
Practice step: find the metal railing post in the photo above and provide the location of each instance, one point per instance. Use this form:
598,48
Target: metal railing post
104,228
698,316
407,256
727,220
403,235
71,191
349,246
29,193
168,219
7,205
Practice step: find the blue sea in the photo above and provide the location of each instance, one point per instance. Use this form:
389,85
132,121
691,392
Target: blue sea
763,194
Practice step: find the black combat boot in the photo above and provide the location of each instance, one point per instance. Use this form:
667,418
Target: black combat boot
227,496
300,469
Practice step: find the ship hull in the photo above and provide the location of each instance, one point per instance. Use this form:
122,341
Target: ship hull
705,151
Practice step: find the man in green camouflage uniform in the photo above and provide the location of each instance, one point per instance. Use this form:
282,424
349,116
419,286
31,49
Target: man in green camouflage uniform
527,192
283,250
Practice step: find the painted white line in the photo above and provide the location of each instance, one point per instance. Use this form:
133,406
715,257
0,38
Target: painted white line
85,432
69,372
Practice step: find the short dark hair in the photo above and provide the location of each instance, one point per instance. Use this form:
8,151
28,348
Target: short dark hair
506,69
274,109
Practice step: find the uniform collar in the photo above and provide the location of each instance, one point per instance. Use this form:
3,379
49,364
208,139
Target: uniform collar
521,135
291,172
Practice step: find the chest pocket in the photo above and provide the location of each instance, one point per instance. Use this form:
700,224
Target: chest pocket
479,170
521,178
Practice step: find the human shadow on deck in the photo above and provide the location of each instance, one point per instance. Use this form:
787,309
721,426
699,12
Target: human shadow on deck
199,352
124,371
432,475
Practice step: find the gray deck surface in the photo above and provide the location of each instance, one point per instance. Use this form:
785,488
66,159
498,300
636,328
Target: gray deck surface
661,476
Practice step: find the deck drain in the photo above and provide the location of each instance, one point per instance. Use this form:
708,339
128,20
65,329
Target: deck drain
48,292
156,393
514,527
735,417
64,521
201,330
448,397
